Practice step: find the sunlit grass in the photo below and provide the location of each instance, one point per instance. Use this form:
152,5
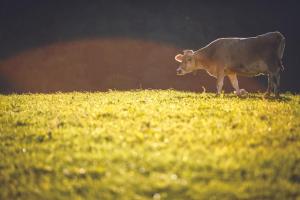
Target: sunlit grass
149,145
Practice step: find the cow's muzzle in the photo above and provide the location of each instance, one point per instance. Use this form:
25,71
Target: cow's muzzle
179,72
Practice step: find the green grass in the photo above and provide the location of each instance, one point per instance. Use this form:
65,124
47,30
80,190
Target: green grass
149,145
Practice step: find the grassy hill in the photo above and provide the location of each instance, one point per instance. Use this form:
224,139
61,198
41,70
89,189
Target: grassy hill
149,145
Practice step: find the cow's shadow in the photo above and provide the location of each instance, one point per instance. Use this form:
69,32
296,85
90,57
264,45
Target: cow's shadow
259,96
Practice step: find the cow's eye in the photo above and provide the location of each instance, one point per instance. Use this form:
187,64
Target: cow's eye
189,59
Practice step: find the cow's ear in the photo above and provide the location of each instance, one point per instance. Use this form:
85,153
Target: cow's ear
178,57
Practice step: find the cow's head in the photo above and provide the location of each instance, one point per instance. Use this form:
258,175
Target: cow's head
187,62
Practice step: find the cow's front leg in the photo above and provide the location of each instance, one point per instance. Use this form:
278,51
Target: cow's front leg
220,80
234,82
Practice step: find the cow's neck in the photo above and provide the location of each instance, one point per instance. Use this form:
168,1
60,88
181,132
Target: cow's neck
202,59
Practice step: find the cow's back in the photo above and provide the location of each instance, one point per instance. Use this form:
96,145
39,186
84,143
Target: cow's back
247,55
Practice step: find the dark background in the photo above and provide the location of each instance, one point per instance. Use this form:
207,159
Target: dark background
49,46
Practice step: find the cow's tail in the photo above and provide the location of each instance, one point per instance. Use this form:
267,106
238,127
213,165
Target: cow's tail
281,50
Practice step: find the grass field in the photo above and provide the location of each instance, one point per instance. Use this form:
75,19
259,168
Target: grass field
149,144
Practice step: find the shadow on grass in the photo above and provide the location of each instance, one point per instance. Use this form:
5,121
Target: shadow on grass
260,96
257,96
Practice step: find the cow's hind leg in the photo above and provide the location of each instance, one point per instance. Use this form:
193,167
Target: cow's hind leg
276,83
274,66
270,86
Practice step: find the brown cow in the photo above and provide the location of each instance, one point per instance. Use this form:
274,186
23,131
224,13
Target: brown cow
238,56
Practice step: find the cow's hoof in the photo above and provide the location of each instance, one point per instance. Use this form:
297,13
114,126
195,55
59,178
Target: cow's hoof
237,93
218,95
267,95
243,92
